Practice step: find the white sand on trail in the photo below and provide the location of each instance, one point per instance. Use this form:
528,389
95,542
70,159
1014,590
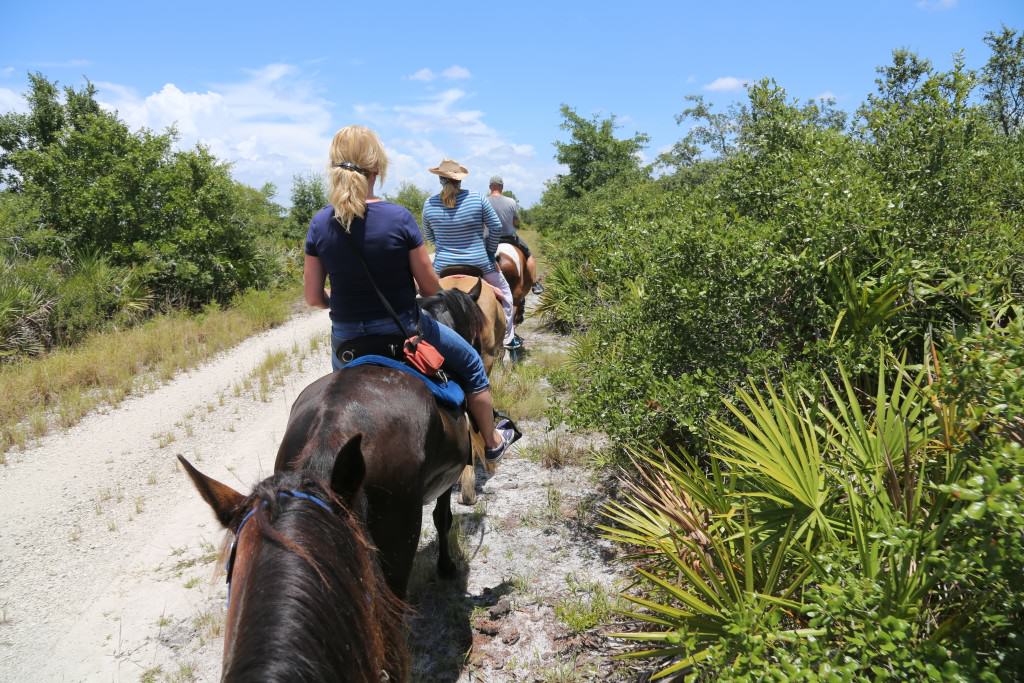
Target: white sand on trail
108,554
105,547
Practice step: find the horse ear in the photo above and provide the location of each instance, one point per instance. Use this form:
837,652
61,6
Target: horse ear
477,288
349,469
222,498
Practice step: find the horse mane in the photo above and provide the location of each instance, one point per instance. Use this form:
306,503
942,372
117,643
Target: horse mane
456,309
323,611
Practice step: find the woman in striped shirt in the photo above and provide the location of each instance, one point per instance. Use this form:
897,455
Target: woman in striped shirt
454,220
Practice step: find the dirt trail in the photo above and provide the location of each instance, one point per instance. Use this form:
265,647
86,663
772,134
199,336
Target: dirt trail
107,554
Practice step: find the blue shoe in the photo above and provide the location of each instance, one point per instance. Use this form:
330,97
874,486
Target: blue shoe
494,455
538,288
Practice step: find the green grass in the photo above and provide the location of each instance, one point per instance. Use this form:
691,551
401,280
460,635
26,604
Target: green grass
60,388
587,605
517,390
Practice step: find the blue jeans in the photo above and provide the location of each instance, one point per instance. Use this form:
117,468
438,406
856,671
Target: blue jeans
460,359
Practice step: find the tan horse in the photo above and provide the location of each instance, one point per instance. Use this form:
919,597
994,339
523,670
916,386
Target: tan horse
491,350
512,263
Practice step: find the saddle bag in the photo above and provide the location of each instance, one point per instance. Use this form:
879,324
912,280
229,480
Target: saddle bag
422,355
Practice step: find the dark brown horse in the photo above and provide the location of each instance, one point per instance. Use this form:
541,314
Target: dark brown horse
413,449
512,263
306,598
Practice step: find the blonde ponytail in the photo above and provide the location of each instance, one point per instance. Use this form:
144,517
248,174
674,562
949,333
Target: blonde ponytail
348,192
356,153
449,191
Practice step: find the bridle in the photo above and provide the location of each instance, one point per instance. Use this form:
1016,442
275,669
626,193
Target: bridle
229,566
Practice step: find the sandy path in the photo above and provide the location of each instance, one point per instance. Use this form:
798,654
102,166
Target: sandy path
105,548
108,556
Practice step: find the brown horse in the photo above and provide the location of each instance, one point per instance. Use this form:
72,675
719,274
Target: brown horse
512,263
306,597
470,280
377,438
413,448
490,345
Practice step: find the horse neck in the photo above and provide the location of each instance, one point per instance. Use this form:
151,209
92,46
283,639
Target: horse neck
290,605
461,314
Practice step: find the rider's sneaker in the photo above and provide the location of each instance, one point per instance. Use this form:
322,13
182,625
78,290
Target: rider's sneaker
515,344
537,288
494,455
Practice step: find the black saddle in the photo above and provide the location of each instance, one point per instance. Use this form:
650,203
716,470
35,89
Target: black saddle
460,269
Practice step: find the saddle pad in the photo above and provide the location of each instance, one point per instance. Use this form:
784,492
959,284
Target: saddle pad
449,393
513,253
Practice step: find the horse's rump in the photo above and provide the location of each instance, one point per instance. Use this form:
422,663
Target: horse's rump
515,254
409,441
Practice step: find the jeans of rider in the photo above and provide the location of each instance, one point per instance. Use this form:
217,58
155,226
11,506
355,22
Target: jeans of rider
460,358
498,280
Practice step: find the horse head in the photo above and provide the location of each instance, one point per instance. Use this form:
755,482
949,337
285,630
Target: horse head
301,572
457,310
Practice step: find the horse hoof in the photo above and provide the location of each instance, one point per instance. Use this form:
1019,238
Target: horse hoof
447,570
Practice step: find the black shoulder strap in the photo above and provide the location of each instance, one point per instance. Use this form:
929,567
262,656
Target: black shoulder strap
373,283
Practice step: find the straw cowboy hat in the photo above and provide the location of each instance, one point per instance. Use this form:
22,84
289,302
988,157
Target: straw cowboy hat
450,169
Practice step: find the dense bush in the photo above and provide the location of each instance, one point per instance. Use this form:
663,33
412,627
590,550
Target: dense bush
807,243
811,346
860,539
101,225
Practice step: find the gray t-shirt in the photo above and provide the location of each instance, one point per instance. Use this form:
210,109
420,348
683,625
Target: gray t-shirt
507,210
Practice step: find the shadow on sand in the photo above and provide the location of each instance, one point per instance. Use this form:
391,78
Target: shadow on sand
441,612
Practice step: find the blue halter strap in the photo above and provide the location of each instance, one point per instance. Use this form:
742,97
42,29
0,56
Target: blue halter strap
230,564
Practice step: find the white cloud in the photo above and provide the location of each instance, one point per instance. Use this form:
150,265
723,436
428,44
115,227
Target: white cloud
827,95
452,73
7,71
726,84
12,101
420,134
423,75
937,5
456,73
270,125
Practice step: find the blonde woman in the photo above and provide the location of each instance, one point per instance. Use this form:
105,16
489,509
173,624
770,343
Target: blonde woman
454,220
392,246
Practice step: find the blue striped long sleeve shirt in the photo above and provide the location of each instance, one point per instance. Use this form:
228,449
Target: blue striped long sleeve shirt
458,233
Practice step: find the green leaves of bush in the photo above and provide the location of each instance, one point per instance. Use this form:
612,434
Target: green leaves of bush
851,532
848,516
127,222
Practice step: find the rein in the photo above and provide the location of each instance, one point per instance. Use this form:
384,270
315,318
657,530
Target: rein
230,564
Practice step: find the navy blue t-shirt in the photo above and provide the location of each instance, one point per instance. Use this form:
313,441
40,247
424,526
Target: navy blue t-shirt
385,238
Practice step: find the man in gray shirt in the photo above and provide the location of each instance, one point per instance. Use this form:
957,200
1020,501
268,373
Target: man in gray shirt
508,212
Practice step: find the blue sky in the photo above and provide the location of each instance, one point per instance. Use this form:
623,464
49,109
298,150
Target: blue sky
266,84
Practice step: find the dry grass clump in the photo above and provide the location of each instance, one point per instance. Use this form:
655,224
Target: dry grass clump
60,388
517,389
